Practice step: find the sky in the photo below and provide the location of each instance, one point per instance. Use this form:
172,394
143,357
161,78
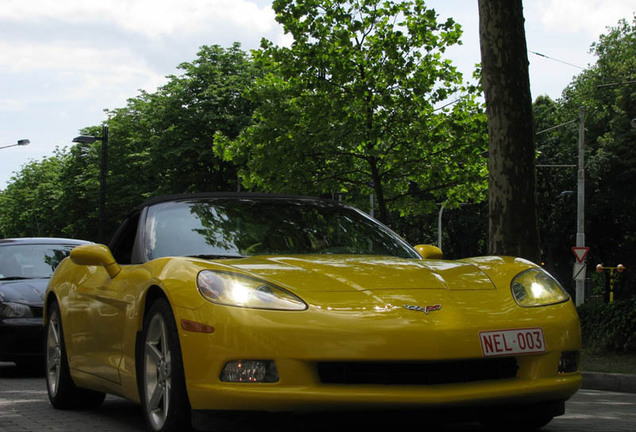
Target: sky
64,62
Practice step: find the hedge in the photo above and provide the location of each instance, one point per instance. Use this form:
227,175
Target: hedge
609,327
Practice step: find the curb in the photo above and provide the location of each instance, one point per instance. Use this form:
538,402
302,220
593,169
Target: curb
609,382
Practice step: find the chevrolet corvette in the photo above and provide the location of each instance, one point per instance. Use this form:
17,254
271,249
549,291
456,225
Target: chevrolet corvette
230,303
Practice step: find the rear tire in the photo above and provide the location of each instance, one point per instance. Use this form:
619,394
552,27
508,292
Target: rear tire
164,397
63,393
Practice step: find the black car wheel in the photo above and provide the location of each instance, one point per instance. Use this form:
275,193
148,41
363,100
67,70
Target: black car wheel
63,393
163,393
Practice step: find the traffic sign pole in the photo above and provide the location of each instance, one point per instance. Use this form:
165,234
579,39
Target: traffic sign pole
580,206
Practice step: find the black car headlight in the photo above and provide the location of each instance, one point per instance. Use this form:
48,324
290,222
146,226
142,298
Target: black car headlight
15,310
233,289
535,287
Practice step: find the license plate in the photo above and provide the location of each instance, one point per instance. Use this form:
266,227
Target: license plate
510,342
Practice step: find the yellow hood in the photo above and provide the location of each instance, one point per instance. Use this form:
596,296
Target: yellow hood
347,273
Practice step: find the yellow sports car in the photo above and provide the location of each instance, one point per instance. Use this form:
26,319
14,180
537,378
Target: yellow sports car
245,302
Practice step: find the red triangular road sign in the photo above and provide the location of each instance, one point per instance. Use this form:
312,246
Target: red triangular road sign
580,253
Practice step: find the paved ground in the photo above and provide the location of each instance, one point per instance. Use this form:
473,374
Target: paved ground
24,407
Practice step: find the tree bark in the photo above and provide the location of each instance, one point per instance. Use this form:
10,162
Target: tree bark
513,228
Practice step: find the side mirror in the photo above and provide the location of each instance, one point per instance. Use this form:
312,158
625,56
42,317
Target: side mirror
429,252
96,255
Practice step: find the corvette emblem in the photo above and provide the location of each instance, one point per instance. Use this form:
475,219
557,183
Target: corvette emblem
425,309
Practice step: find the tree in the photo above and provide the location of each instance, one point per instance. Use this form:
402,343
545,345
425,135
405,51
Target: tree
557,146
186,113
30,203
159,143
511,185
164,140
78,186
607,90
352,107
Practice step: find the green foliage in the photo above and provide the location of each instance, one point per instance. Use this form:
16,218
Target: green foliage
609,326
30,204
361,103
350,108
184,115
607,91
159,143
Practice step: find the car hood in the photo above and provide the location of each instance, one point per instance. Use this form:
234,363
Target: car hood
339,273
27,291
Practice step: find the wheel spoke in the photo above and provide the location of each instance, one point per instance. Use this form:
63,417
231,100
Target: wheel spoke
153,354
54,332
156,398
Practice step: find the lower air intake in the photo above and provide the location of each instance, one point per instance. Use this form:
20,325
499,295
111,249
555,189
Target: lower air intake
417,373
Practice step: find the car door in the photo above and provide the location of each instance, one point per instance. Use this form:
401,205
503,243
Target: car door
100,308
96,311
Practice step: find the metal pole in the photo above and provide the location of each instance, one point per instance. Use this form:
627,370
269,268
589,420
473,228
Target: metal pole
21,142
580,207
102,184
439,227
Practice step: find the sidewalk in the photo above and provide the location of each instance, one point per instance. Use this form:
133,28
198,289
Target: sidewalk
609,382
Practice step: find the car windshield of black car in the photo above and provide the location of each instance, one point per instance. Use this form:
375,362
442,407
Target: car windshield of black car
30,261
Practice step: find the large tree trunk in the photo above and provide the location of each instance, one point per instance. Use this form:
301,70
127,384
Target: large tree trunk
511,188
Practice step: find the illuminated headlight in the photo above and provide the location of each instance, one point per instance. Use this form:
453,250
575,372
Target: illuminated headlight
535,287
234,289
250,371
15,310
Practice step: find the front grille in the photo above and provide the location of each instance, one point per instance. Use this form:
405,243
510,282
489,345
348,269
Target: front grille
417,373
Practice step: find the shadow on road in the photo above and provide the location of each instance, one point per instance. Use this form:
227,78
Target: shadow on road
11,370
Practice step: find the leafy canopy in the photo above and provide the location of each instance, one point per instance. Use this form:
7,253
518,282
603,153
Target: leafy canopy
351,107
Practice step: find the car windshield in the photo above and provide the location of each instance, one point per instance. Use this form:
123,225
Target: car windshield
218,228
31,261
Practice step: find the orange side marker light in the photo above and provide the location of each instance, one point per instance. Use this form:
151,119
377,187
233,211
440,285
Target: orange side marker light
196,327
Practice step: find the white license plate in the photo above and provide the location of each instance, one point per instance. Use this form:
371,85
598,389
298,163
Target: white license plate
510,342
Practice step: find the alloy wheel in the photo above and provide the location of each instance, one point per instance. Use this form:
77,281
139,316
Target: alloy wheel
53,354
157,372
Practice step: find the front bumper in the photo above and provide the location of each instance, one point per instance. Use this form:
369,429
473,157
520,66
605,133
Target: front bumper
21,339
318,397
298,342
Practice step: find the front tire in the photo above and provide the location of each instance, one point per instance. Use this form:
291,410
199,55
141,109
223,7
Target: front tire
63,393
163,394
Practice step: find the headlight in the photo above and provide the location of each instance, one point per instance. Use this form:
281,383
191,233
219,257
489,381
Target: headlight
535,287
15,310
233,289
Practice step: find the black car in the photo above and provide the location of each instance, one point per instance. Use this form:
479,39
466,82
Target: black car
26,265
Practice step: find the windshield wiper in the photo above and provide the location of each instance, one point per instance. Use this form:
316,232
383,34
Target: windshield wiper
10,278
213,256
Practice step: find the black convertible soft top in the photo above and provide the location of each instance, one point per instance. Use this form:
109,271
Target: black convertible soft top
41,240
226,195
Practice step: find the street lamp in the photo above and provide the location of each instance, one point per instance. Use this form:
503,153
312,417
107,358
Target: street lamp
21,142
89,139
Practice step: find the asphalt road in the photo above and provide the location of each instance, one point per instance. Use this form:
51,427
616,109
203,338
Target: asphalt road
24,406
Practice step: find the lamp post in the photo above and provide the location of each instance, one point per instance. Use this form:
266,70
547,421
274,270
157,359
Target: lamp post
89,139
21,142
